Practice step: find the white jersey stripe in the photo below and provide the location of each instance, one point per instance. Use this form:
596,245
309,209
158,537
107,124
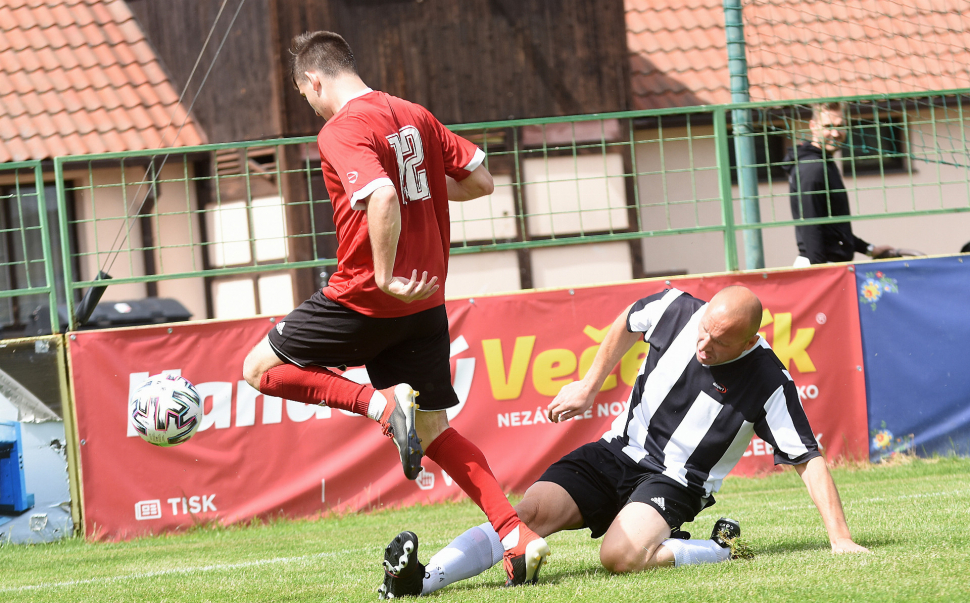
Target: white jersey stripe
645,319
637,432
619,423
670,367
688,435
636,453
782,427
730,457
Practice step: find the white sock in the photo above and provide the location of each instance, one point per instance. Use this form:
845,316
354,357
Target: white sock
689,552
511,539
468,555
376,406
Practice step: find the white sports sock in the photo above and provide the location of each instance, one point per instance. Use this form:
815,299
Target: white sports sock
689,552
468,555
376,406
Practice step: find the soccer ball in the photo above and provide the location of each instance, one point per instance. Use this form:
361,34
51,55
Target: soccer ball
165,410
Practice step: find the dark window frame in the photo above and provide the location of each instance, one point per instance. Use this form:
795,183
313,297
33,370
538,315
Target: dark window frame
889,146
17,319
771,145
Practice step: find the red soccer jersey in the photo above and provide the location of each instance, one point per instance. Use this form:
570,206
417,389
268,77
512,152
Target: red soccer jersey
379,140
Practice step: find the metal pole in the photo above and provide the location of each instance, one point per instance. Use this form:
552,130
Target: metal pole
45,233
724,186
65,242
754,256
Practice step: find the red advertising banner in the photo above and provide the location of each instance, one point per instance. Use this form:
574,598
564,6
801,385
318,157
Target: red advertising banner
258,455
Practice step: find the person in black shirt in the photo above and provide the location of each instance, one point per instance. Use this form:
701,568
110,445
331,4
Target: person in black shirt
818,191
709,383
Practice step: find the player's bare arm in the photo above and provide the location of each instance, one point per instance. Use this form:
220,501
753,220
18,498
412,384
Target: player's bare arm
822,490
384,229
576,397
478,184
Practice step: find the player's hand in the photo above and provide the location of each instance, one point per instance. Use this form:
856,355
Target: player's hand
572,400
845,545
881,252
410,290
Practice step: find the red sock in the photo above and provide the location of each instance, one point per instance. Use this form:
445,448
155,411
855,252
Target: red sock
313,384
466,464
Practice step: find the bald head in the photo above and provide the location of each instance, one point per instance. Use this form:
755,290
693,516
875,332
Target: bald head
740,306
729,327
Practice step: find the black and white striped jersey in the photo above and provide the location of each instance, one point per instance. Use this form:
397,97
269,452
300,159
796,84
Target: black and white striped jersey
693,422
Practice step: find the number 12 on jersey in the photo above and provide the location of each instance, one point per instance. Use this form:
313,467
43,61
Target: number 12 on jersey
410,157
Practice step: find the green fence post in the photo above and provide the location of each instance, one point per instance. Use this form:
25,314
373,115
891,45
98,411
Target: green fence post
754,255
724,185
46,242
65,241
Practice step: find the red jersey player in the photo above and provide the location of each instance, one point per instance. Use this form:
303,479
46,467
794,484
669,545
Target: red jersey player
390,168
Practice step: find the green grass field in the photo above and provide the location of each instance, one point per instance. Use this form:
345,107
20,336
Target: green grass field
914,516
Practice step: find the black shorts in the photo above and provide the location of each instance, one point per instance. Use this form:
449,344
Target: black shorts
411,349
601,484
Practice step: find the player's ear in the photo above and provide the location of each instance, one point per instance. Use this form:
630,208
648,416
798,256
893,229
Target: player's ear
752,342
314,78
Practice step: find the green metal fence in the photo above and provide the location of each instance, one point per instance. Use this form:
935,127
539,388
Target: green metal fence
27,280
229,210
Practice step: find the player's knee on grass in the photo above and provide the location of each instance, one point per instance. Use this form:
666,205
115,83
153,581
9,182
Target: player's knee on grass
528,510
547,508
634,540
625,559
619,560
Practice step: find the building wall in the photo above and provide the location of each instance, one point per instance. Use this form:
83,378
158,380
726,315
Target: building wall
468,61
931,184
677,187
100,212
240,98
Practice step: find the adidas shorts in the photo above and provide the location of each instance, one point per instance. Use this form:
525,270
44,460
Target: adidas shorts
413,349
601,484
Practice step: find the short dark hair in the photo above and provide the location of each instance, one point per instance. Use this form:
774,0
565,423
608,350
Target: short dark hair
833,107
322,51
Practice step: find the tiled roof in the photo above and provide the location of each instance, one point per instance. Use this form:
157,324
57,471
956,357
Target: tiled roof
796,49
78,77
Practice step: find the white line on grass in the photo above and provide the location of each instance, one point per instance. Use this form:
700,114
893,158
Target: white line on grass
286,560
848,502
856,501
169,572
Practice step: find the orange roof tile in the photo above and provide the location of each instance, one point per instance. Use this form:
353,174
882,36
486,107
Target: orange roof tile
796,49
78,76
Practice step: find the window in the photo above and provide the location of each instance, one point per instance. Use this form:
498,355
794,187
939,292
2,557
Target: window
231,244
22,258
575,195
769,152
874,145
228,225
246,225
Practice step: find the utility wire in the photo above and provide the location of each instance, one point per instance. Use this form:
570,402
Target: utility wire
113,253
